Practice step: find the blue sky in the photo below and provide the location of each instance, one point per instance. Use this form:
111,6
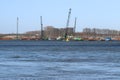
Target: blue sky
89,13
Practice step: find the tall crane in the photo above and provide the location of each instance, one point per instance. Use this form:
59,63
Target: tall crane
75,24
67,24
41,28
17,28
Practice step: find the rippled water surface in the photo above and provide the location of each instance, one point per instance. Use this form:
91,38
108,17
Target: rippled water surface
59,60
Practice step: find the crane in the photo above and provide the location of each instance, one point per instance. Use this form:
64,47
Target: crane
17,28
75,24
67,24
41,28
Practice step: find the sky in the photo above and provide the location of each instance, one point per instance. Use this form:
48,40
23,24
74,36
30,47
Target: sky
103,14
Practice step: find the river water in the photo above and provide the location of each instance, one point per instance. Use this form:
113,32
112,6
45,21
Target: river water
59,60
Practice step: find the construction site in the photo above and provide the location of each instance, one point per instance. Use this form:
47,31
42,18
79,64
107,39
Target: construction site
66,33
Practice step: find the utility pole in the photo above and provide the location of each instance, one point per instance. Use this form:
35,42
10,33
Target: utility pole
41,28
67,24
17,28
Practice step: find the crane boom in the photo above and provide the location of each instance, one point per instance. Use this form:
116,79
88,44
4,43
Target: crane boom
75,24
41,28
67,24
17,28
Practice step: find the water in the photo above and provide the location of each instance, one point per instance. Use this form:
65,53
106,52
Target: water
59,60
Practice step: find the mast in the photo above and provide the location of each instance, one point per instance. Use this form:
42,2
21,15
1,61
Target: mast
17,28
67,24
41,28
